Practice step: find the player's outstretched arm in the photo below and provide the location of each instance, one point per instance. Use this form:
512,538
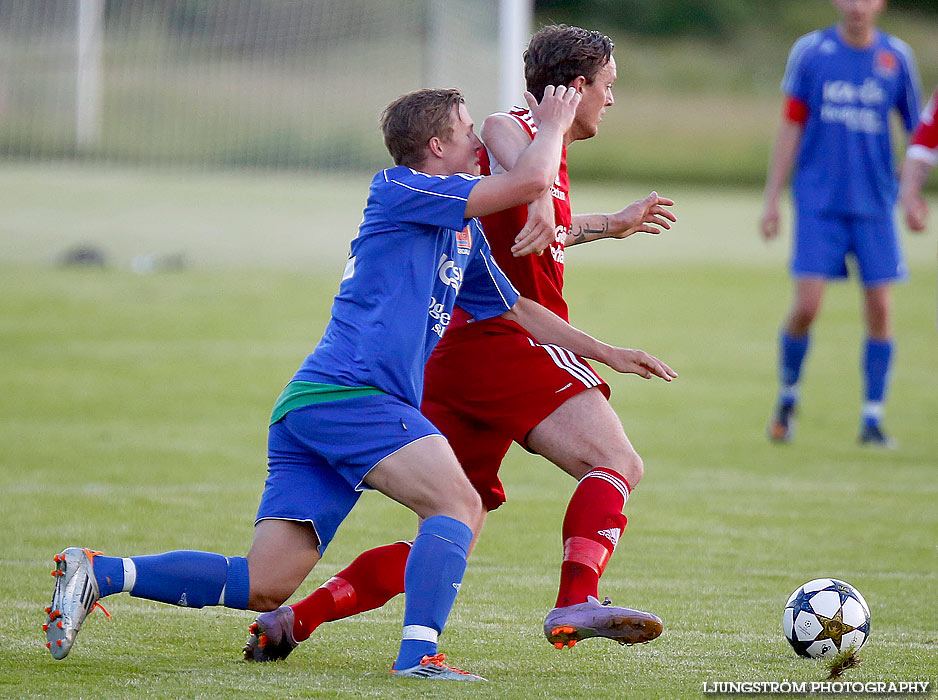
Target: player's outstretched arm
537,167
648,215
780,164
547,327
914,173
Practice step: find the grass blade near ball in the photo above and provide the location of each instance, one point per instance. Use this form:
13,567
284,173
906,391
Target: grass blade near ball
839,663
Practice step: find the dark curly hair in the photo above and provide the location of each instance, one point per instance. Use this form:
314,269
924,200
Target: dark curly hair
558,54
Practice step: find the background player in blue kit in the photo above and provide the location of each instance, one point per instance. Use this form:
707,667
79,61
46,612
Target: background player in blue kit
842,82
349,419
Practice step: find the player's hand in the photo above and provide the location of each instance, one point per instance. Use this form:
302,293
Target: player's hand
916,212
647,215
556,109
538,231
768,224
639,362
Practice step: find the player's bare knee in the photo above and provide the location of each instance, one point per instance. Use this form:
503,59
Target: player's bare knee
620,457
452,496
801,318
464,504
878,321
637,467
472,505
631,467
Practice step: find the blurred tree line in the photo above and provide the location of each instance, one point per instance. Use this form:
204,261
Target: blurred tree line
692,18
714,19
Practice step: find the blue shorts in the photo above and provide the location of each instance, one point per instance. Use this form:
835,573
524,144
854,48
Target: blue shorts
318,456
822,243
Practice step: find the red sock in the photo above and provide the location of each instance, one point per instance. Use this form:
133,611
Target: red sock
591,531
369,582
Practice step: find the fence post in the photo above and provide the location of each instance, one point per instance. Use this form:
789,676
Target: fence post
515,18
90,30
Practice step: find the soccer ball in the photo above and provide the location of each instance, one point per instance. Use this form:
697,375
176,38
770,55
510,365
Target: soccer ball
826,616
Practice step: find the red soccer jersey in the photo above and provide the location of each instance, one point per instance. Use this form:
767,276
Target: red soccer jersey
538,277
488,383
924,143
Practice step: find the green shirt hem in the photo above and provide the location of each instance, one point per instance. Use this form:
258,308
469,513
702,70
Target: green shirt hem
298,394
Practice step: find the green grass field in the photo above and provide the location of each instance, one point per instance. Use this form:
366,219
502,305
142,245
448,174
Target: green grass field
134,412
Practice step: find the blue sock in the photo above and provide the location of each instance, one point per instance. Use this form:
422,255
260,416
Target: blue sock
432,578
192,579
791,354
877,359
109,573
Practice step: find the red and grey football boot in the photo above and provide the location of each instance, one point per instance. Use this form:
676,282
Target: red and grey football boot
271,636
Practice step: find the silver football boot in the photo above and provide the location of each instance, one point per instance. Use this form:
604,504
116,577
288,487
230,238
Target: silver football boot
564,627
435,668
76,594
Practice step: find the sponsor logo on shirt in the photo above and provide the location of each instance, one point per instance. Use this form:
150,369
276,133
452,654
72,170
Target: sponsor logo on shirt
451,275
557,247
854,106
555,190
437,314
870,93
464,241
449,272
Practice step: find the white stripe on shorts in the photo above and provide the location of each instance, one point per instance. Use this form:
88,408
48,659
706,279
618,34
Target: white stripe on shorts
576,361
565,359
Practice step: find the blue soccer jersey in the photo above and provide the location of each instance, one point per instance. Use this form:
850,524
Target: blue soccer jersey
845,163
415,253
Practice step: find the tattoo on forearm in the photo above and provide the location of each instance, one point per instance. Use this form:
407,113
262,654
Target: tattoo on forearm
586,232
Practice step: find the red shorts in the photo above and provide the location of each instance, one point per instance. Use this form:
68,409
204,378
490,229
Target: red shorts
488,384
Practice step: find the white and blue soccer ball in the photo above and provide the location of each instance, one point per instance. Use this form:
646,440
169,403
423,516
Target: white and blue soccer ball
826,616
